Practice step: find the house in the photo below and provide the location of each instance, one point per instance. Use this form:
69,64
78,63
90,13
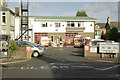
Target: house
7,28
59,29
100,28
7,21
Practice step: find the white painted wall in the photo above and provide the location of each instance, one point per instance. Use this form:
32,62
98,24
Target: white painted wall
37,27
89,28
17,27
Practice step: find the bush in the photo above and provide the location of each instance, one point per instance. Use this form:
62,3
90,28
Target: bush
13,48
112,34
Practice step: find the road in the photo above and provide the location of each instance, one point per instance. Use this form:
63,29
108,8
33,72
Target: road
66,62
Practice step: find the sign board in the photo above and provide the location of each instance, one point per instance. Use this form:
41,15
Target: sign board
86,48
28,48
109,47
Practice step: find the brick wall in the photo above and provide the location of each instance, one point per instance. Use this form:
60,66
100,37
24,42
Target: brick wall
88,34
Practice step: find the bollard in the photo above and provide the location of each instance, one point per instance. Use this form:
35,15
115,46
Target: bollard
86,50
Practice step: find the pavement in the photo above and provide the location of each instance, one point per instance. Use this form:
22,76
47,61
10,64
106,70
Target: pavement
8,61
106,60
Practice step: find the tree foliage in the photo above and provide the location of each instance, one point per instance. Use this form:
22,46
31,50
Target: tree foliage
81,14
112,34
13,47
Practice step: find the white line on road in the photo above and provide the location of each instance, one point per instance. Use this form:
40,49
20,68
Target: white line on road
99,68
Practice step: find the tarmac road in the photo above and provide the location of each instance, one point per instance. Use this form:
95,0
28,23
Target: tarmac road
66,62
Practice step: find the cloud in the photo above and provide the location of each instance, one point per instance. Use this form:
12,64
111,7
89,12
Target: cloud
36,5
101,11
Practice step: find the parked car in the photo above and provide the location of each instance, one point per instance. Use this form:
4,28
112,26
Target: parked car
37,45
44,41
95,42
36,51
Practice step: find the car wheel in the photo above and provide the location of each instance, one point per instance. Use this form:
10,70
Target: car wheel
35,54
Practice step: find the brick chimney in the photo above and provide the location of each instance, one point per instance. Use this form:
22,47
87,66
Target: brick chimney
16,11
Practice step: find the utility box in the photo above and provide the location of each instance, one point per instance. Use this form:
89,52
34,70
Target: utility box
4,46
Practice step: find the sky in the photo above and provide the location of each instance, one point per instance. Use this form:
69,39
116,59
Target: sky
95,9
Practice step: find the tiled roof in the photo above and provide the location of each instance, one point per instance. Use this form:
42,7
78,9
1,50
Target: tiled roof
7,9
65,18
115,23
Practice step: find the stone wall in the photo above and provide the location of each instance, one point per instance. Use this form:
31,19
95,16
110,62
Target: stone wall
20,53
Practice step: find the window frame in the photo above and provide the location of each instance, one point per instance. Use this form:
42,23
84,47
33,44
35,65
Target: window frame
58,25
72,23
4,31
3,15
45,25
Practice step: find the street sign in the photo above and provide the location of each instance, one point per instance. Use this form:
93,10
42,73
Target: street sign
86,48
28,48
109,47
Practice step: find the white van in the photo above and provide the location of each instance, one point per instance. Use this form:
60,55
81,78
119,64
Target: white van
44,41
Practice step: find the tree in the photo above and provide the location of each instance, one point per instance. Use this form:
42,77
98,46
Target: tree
81,14
112,34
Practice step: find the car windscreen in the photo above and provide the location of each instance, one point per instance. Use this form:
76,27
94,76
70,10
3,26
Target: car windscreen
80,40
33,44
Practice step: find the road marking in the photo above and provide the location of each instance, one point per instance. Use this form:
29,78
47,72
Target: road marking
32,67
111,67
42,67
22,68
99,68
55,67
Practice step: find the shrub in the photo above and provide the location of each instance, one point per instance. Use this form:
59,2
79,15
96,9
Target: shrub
13,48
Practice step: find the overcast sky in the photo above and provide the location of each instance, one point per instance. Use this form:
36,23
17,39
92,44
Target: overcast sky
95,9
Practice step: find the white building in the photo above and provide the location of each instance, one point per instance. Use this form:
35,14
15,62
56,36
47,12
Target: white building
59,29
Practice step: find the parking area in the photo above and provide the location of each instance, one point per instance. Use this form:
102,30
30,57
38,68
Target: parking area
61,62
